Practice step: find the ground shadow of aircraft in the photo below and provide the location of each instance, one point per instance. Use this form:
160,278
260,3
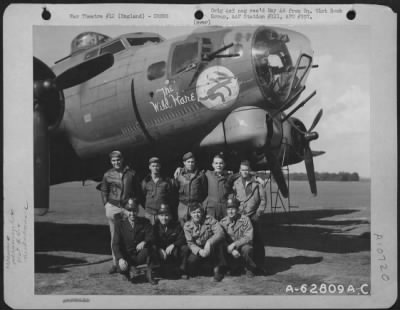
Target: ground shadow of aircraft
305,230
273,265
46,263
85,238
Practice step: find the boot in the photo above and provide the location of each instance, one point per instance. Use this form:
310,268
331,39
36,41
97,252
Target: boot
218,276
113,269
183,271
149,277
132,272
250,273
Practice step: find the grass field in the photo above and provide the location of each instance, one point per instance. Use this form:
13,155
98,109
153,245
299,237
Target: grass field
325,240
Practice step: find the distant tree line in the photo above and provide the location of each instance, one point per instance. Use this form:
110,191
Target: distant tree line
326,176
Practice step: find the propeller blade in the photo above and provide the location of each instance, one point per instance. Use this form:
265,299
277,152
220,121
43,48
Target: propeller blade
277,173
316,120
274,164
317,153
308,160
41,161
84,71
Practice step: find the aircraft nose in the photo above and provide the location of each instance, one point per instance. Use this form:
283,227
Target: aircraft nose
282,60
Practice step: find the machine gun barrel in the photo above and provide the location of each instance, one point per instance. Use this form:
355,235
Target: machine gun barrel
300,105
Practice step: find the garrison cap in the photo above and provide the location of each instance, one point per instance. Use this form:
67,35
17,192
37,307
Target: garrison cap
115,154
154,160
187,156
194,206
164,209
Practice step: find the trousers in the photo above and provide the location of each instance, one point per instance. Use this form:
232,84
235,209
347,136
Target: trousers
111,211
246,257
183,213
216,209
258,244
215,259
178,257
145,256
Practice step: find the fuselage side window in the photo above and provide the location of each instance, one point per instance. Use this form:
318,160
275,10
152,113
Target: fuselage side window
143,41
183,56
156,70
113,48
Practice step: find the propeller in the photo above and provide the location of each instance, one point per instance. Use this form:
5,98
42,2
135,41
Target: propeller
48,110
273,162
309,136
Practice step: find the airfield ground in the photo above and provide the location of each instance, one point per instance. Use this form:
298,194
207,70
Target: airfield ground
324,241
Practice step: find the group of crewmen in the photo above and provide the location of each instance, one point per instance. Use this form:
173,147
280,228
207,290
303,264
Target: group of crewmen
214,224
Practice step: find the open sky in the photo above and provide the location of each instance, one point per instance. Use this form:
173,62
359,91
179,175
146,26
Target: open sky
342,82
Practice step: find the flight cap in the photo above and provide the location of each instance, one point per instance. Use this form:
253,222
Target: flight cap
194,206
116,154
187,156
154,160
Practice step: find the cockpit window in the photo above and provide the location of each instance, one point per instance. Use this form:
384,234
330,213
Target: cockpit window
143,41
113,48
183,56
86,40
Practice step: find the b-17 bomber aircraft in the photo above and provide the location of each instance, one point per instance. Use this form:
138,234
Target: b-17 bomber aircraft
215,89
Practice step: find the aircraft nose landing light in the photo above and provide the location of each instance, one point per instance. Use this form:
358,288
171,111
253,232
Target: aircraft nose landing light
282,60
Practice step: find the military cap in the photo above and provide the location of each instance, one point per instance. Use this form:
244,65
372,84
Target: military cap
115,154
194,206
154,160
187,156
232,202
131,205
164,209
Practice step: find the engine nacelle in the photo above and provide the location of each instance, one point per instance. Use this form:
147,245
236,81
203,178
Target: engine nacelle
246,132
243,129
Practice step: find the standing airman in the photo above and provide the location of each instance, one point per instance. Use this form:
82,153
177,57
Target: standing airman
219,186
119,184
251,195
156,189
191,184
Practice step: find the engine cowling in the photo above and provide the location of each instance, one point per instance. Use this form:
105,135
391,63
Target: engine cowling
293,143
243,129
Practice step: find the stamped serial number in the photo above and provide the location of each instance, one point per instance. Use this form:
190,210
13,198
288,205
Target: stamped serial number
162,15
331,288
